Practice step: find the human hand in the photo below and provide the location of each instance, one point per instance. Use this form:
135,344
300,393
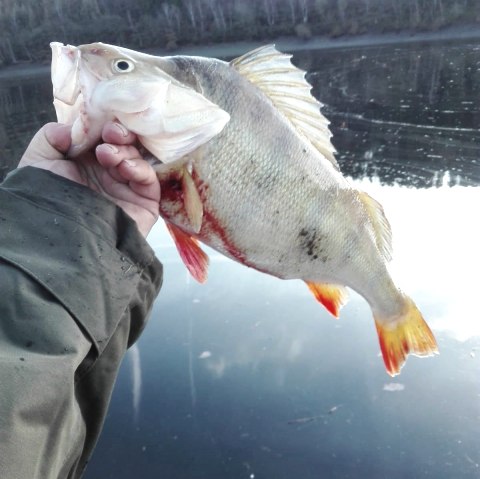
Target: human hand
114,169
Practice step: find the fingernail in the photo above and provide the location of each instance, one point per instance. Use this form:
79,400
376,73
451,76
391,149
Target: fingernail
130,163
121,129
112,148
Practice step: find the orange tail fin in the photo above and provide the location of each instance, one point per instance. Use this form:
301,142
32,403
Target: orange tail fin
408,334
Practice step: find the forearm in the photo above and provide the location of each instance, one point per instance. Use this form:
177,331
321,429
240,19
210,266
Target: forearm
78,281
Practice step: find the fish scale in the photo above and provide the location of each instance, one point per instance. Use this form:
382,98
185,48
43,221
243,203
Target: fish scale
250,175
247,167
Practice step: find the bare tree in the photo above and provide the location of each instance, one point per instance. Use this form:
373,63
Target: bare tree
229,12
270,11
10,51
416,12
292,4
195,15
304,9
172,15
342,8
367,6
217,14
438,5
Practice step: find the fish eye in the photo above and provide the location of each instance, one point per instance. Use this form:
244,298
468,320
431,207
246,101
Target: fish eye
122,65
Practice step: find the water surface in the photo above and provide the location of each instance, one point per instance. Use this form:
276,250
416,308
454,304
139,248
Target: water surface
247,376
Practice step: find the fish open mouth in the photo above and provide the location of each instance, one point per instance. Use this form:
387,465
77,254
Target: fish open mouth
148,156
70,90
65,73
69,100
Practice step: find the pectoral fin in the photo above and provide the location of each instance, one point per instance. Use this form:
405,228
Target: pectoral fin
332,296
178,173
194,258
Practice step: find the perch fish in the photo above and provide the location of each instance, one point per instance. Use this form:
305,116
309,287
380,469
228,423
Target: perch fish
247,167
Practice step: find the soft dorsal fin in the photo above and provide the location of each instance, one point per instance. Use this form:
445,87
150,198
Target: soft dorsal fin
381,226
285,84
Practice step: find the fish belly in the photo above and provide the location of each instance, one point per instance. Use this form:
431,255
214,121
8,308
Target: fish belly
278,213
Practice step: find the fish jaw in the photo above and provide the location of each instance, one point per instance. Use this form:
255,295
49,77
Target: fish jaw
72,89
90,118
68,98
64,72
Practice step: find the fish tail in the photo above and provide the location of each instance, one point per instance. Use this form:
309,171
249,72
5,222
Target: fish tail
407,334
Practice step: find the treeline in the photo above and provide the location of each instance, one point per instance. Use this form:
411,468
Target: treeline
28,26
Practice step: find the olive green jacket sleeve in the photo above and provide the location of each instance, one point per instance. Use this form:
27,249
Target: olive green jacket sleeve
77,281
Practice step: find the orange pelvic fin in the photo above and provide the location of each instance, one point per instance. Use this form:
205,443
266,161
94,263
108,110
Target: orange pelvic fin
407,334
332,296
194,258
193,202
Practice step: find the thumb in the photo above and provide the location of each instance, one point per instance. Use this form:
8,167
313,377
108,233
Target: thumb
51,142
58,136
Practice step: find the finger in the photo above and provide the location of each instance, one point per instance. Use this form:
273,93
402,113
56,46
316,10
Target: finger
128,161
125,165
112,155
137,171
115,174
141,177
116,133
150,191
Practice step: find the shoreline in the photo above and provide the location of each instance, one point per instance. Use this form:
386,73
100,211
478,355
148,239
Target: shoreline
292,44
286,44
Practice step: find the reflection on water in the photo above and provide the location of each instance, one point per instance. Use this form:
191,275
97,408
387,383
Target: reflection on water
25,105
136,364
436,257
435,244
399,112
248,376
402,113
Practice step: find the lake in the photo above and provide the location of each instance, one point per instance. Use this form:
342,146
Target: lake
247,376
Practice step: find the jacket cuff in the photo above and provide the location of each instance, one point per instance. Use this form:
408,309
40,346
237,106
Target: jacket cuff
81,247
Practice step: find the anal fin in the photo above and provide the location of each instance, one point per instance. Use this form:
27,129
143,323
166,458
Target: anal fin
194,258
332,296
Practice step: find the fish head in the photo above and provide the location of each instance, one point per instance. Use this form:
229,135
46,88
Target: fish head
98,82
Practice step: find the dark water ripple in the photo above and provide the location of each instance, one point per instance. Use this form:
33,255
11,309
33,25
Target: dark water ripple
407,114
246,377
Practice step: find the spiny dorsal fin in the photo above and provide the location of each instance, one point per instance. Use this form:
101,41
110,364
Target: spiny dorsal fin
383,232
285,84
